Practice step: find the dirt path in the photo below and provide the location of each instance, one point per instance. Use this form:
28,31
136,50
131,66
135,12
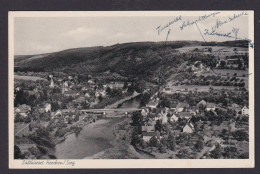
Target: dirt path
22,129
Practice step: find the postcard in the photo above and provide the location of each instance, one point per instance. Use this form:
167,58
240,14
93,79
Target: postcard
131,89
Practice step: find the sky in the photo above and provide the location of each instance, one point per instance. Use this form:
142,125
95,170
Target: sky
36,35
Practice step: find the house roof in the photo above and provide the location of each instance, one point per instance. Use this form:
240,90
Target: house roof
193,109
70,92
203,102
190,125
244,107
185,114
147,128
149,134
210,105
152,103
173,105
24,108
182,105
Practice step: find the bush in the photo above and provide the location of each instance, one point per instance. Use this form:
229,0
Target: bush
154,142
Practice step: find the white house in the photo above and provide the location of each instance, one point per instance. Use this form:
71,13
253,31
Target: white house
181,106
145,112
148,135
147,128
210,107
188,128
90,82
173,118
202,103
87,95
164,119
186,115
58,113
52,84
245,111
48,107
152,104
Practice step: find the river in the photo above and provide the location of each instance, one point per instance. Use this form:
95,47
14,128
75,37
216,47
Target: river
93,138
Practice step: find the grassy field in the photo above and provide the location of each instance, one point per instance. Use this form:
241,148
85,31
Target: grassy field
231,72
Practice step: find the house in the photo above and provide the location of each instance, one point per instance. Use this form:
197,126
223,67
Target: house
202,103
181,106
84,88
67,119
185,115
52,84
148,135
193,110
188,128
173,106
48,107
91,82
23,109
147,128
173,118
23,114
210,107
87,95
65,84
41,110
232,127
144,112
70,93
245,111
164,119
58,113
70,77
152,104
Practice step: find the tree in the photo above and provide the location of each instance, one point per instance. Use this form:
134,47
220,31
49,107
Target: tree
17,153
165,103
216,153
125,85
131,88
140,86
137,119
158,126
230,152
222,63
20,98
171,142
145,99
108,90
100,98
199,145
154,142
55,106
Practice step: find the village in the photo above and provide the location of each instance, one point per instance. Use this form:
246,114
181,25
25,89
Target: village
58,107
196,113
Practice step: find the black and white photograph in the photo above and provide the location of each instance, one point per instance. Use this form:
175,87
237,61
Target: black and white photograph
131,87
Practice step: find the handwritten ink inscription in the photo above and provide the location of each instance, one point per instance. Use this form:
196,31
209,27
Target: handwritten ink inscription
210,30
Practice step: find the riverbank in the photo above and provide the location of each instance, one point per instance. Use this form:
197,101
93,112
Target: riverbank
82,123
121,147
114,105
93,138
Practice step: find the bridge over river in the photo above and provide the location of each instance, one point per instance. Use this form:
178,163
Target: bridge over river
110,110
